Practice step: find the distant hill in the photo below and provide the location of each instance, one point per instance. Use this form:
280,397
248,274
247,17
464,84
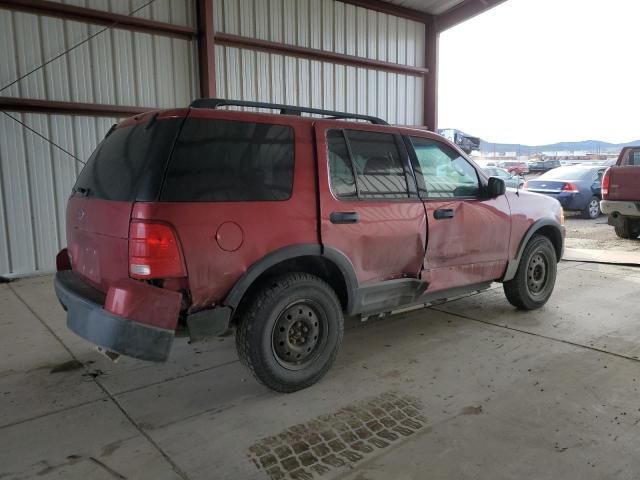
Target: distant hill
592,146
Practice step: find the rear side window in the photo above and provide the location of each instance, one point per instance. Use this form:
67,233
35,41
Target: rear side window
230,161
372,159
129,163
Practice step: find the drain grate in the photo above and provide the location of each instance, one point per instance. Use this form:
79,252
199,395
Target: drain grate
328,442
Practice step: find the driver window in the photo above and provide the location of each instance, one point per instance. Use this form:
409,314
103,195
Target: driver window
446,174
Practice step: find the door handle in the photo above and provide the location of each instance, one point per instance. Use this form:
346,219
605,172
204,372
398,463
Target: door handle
442,213
344,217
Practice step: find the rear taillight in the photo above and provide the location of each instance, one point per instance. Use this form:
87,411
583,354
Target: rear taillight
606,179
154,252
569,187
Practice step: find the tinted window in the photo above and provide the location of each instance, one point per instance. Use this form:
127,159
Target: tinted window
446,174
343,182
129,163
377,164
227,161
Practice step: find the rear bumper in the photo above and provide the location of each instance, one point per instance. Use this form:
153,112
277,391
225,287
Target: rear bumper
87,318
569,201
620,208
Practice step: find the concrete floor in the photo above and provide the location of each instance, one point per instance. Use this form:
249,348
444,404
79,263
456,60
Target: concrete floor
468,389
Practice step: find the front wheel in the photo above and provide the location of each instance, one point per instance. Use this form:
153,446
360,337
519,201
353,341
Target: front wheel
290,331
536,275
592,210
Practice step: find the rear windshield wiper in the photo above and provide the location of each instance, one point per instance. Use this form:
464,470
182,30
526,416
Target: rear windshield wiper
82,191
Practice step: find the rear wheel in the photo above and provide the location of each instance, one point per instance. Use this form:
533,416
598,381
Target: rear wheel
592,210
536,275
290,331
629,229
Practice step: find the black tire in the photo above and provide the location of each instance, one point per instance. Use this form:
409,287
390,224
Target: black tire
536,275
592,210
275,336
629,229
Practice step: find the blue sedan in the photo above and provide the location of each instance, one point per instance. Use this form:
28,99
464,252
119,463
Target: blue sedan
575,187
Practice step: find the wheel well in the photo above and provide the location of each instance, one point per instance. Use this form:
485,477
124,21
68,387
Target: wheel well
554,236
314,265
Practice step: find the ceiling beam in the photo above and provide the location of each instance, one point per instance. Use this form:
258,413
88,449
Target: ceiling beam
98,17
389,9
463,12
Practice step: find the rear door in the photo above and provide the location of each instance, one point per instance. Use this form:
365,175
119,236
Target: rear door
369,207
468,237
624,183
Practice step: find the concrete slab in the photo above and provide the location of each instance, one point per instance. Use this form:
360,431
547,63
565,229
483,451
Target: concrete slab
127,374
602,256
592,308
93,441
469,389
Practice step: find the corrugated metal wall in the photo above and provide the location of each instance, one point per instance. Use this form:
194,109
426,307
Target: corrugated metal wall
116,67
139,69
327,25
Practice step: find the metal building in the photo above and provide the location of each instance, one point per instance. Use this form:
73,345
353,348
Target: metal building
70,69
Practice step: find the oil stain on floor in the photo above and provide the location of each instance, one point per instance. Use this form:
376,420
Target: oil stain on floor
346,437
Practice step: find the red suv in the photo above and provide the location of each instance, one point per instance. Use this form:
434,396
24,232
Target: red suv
279,225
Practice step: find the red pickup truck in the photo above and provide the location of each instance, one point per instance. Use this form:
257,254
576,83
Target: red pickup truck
621,193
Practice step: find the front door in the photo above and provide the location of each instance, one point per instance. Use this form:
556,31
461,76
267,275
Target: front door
468,235
369,207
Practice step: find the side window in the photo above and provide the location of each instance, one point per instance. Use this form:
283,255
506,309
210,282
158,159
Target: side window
343,182
446,174
230,161
373,158
634,158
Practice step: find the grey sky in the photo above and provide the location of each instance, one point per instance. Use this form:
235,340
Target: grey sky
542,71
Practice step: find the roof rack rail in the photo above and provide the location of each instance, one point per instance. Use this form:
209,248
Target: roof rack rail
284,109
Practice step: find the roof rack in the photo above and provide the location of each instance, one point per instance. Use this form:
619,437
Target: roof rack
284,109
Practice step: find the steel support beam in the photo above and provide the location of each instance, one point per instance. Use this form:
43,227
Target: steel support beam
430,96
316,54
389,9
98,17
13,104
463,12
206,49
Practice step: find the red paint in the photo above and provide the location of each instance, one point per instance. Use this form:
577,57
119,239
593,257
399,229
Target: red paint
623,178
143,303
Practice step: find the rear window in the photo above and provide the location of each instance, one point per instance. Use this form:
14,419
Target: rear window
567,173
230,161
128,164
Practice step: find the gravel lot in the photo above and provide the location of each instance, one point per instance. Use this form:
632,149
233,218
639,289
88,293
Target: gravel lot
596,234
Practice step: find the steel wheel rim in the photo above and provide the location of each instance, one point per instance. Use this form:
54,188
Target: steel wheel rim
299,334
594,208
537,274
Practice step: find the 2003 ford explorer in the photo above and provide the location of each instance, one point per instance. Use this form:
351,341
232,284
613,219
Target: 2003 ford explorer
278,225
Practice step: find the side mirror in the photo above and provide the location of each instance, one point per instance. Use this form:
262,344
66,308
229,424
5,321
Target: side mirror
496,187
